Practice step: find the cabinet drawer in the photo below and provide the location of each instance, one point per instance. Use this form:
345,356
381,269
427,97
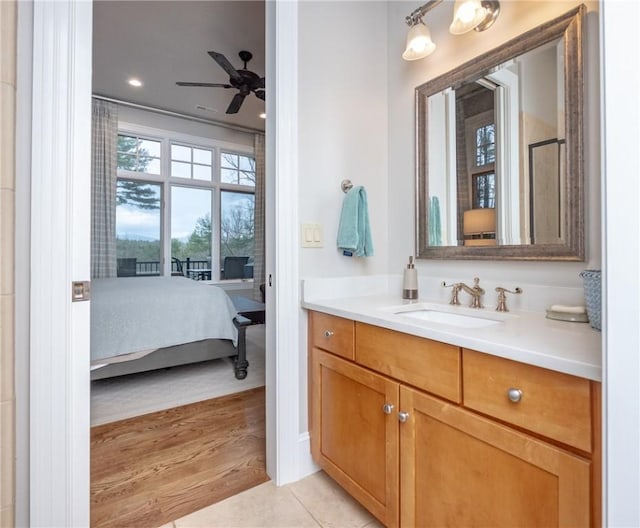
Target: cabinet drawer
331,333
549,403
428,365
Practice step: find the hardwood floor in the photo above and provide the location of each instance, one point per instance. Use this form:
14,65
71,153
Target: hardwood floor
149,470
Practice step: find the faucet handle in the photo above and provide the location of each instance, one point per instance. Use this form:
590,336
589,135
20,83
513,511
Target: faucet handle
502,298
476,285
455,289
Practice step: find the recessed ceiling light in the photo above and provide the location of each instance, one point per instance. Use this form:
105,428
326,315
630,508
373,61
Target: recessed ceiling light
135,82
263,115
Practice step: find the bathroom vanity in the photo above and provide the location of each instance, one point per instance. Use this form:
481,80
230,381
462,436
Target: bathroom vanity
432,424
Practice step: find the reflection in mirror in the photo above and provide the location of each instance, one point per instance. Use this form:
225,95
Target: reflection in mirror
499,158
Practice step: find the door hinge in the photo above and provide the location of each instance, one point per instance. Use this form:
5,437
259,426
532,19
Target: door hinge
80,291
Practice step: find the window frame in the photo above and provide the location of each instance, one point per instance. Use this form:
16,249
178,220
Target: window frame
167,138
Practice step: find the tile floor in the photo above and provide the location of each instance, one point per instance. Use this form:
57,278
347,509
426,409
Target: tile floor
316,501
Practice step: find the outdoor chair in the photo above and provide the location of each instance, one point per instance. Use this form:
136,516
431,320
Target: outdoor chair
233,267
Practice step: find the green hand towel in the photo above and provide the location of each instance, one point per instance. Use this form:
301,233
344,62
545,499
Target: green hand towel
354,231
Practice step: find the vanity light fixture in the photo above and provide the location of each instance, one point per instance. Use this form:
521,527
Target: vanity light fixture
467,15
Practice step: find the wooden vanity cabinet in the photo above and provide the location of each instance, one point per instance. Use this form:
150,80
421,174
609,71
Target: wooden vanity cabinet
427,443
352,438
461,469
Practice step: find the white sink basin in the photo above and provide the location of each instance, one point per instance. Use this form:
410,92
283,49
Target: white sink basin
464,321
450,315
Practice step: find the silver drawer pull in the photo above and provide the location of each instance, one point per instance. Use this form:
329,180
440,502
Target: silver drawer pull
387,408
328,333
403,416
515,395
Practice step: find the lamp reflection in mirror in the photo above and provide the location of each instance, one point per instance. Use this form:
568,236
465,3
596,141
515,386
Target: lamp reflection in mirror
479,227
467,15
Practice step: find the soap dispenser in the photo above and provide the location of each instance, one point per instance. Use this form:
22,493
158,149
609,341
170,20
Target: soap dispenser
410,281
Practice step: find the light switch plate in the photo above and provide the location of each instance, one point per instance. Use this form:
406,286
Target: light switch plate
311,235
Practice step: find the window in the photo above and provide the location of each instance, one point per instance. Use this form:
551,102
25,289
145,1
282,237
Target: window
236,224
238,169
138,228
191,162
138,155
183,205
485,145
191,228
484,190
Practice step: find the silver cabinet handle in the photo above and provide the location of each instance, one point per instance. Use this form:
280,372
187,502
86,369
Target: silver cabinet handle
514,395
328,333
387,408
403,416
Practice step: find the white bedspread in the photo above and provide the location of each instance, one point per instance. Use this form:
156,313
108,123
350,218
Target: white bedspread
145,313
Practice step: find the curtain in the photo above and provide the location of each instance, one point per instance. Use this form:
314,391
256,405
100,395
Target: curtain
104,139
258,228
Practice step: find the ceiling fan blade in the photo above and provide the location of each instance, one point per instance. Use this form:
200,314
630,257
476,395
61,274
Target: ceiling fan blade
226,65
235,104
260,94
214,85
261,83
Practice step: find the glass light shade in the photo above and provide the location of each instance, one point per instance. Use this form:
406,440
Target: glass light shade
467,14
419,43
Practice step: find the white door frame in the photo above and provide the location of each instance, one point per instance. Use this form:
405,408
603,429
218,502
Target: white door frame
60,242
60,246
621,250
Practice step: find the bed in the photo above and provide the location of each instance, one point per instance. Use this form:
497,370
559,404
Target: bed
145,323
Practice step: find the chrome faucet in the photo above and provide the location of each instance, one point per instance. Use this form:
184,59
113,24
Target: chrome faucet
476,292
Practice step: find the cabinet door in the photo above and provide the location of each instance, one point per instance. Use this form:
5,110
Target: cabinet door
460,469
352,437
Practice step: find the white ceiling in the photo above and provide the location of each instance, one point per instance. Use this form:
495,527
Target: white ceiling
161,42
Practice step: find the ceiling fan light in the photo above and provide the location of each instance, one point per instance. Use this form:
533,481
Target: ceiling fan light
419,43
467,14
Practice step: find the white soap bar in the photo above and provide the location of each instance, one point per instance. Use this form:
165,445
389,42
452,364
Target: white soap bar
568,309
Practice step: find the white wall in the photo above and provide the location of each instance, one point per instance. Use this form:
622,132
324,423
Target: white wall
343,129
342,134
184,126
515,18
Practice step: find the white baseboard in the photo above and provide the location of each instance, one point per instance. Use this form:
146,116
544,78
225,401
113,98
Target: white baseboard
306,465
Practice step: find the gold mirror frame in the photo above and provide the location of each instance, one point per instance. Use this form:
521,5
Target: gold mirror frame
569,26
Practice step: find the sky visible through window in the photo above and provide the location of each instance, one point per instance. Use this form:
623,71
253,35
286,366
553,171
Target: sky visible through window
135,223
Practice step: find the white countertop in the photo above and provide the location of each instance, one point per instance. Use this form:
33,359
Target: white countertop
528,337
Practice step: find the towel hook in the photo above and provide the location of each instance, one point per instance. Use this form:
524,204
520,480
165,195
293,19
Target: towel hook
346,186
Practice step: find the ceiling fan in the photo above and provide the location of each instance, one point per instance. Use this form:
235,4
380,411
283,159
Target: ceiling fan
243,80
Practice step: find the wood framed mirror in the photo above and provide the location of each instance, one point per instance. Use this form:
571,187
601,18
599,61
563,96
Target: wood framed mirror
500,151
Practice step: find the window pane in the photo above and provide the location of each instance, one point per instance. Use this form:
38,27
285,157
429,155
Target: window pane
191,227
202,156
236,227
180,170
180,153
229,160
201,172
485,145
149,147
153,166
248,178
138,228
247,164
228,176
126,161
